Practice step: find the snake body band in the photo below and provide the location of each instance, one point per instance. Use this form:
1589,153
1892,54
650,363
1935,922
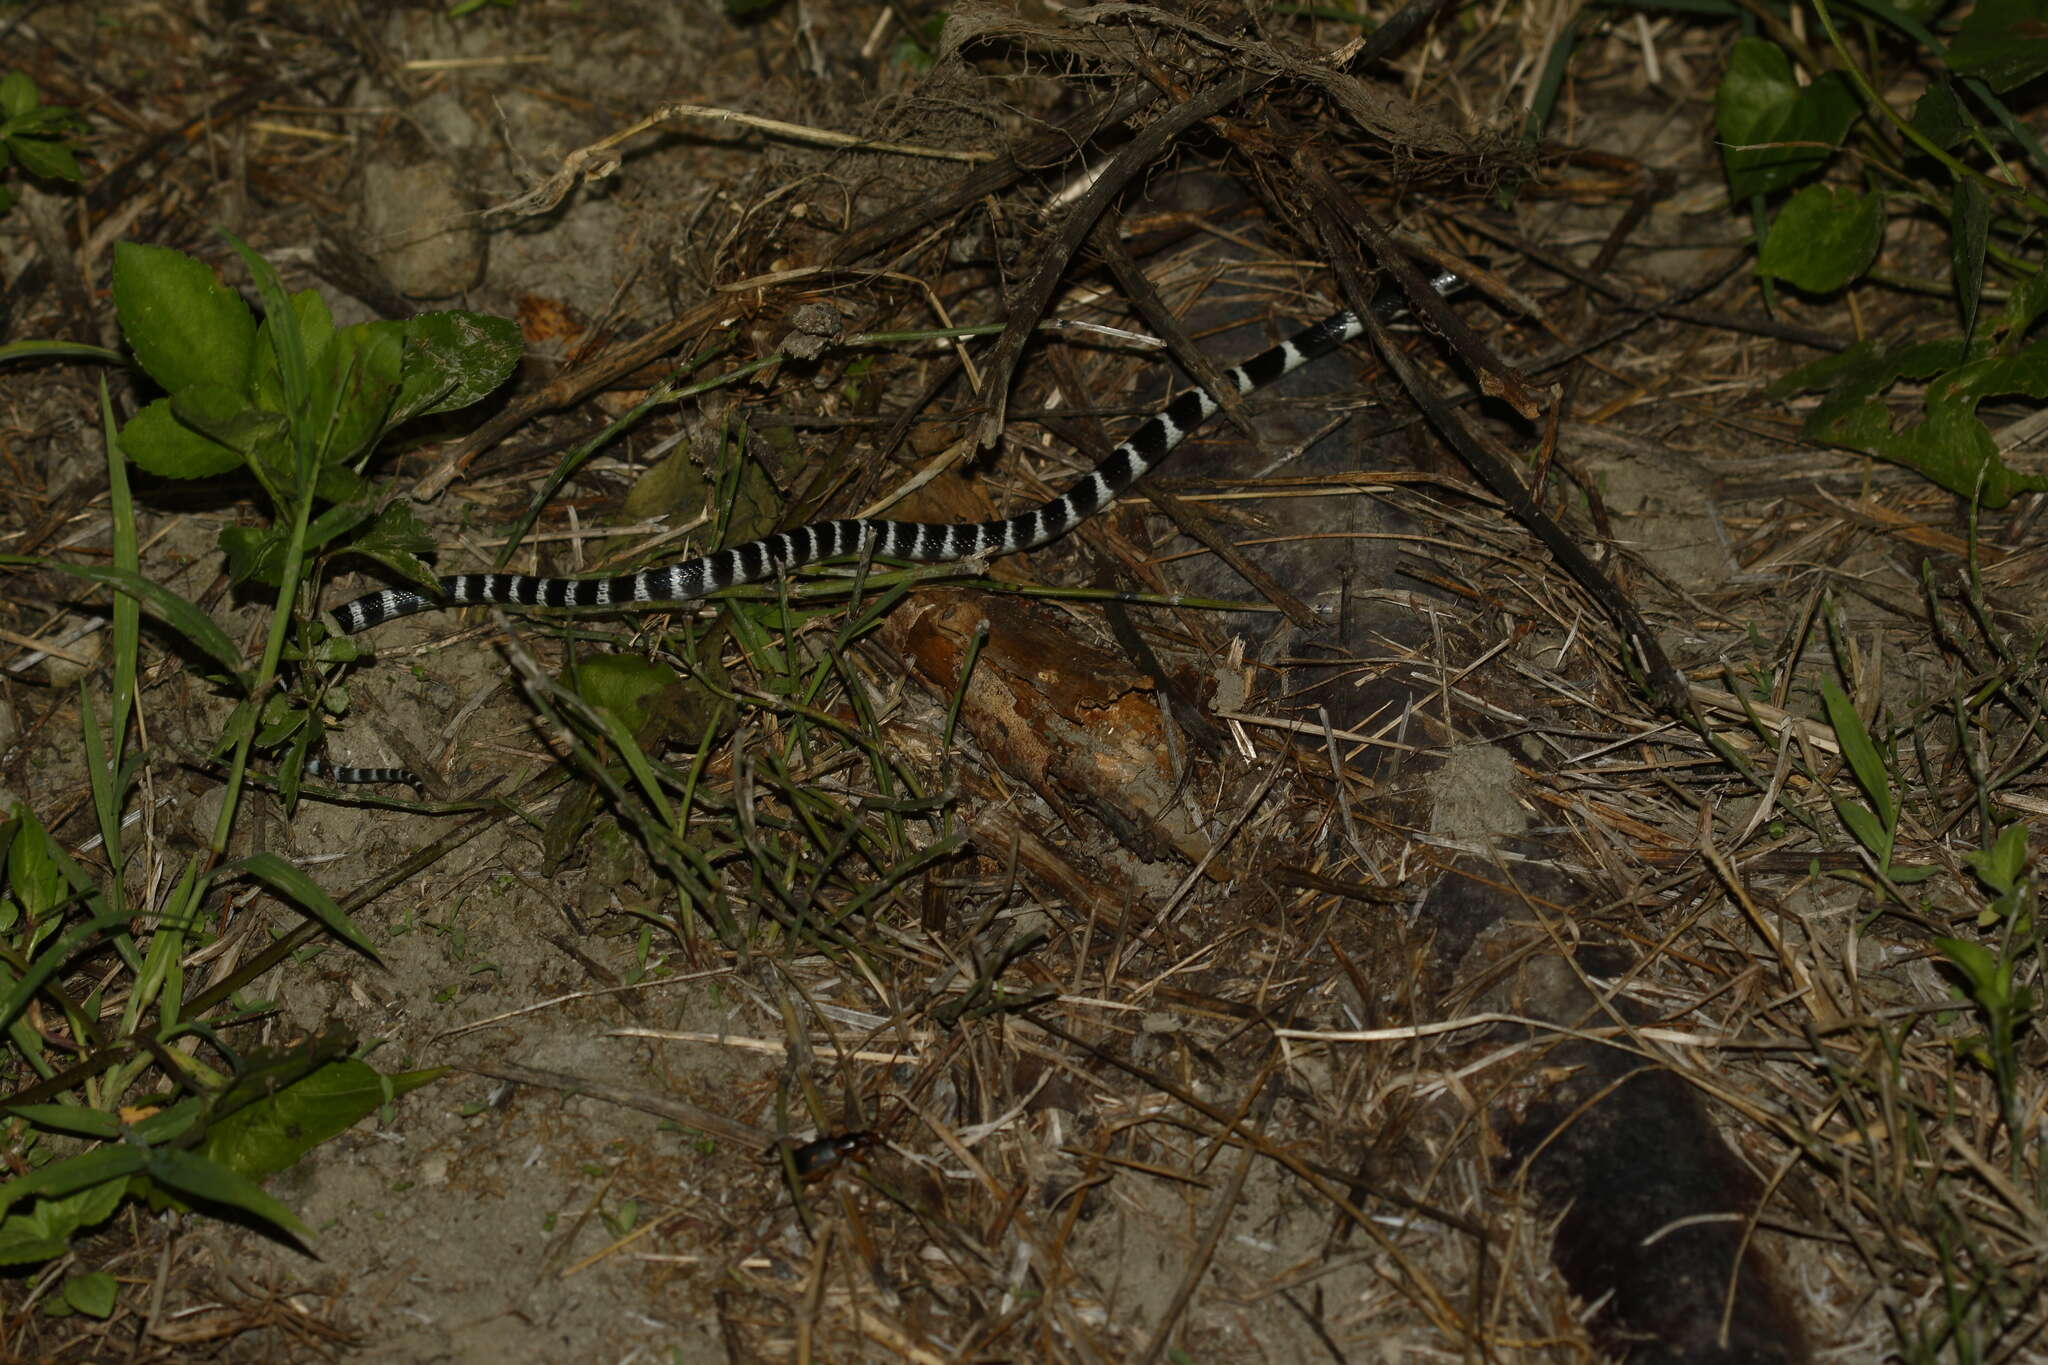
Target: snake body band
922,542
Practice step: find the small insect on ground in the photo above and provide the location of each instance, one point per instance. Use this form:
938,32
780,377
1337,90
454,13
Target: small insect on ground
817,1159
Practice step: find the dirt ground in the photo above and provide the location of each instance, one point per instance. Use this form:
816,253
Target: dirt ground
1373,970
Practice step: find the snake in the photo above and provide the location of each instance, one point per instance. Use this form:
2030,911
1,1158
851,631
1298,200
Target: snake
918,542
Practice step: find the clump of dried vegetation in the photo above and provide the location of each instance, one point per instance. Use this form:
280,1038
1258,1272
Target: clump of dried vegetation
1582,903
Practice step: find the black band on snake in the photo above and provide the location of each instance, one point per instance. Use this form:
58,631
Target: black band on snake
923,542
341,773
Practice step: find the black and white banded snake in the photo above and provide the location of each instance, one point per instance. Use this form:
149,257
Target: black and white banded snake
920,542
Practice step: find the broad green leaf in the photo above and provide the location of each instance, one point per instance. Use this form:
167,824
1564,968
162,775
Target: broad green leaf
158,442
1825,237
452,359
1861,754
1950,446
43,1230
41,875
1939,116
184,619
200,1178
17,94
2029,300
272,1134
355,384
75,1119
315,330
629,687
2002,42
397,528
225,416
91,1293
47,157
255,553
1999,867
184,326
258,553
335,521
277,730
1969,232
20,1244
340,484
292,883
1979,966
1758,102
396,540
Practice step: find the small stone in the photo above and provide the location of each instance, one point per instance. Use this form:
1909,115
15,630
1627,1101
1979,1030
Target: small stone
421,230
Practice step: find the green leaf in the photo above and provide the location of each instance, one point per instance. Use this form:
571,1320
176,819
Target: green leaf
202,1179
2004,43
335,521
1979,966
1758,102
2028,302
292,330
315,331
255,553
1970,231
58,350
1940,117
168,1123
47,157
340,484
41,875
43,1231
1824,238
159,443
272,1134
1950,446
17,94
258,553
184,326
292,883
75,1119
181,616
629,687
91,1293
226,417
74,1173
396,540
452,359
355,385
1861,754
2000,866
1867,829
194,626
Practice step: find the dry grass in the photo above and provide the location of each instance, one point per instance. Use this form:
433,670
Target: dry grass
1167,1023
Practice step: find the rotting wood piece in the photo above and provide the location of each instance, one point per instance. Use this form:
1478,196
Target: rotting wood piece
1070,720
